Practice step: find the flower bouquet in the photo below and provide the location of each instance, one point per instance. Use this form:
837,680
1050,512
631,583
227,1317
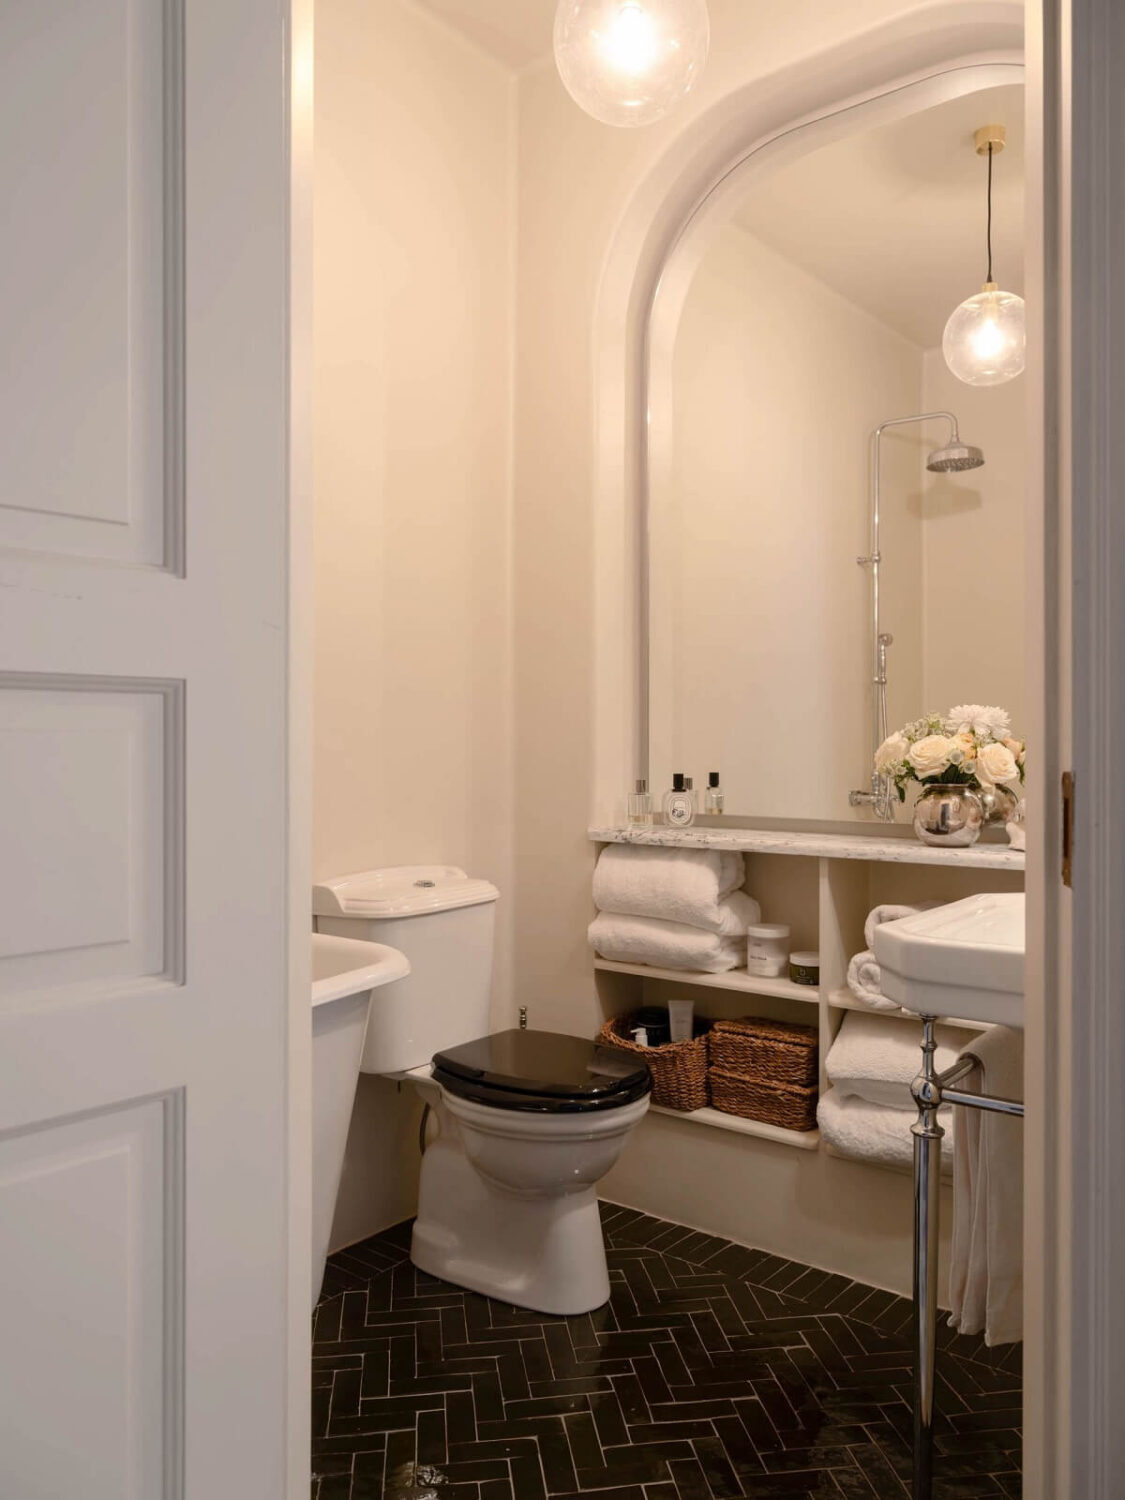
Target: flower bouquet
968,764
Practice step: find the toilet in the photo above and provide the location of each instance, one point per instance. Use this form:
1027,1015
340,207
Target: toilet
528,1121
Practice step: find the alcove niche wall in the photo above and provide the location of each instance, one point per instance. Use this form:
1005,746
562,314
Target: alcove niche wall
580,463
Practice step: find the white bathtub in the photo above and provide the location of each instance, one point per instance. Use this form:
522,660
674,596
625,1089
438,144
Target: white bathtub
345,971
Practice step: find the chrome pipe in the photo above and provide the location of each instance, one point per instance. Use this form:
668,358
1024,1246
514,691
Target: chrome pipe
928,1136
983,1101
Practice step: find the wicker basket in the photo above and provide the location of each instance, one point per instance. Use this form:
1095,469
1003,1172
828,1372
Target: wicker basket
679,1069
773,1052
787,1105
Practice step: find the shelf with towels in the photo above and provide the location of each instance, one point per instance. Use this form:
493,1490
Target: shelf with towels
845,1000
803,1140
732,979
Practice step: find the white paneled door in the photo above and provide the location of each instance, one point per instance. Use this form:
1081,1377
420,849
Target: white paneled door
145,1109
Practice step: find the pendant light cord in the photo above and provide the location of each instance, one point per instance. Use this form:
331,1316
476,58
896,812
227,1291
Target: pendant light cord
989,276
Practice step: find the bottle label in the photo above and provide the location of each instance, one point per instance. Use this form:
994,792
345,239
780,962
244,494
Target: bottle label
679,811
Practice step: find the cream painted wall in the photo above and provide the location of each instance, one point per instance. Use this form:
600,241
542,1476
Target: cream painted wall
577,184
760,618
414,278
974,550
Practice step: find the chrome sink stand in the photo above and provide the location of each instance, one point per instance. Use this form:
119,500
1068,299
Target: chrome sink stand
931,1090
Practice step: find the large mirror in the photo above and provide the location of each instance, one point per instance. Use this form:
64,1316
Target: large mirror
813,316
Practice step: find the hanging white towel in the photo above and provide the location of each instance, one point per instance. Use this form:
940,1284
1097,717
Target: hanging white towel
865,980
877,1058
986,1270
664,945
874,1134
889,912
697,887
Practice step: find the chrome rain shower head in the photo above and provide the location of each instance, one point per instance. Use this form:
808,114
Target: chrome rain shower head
955,459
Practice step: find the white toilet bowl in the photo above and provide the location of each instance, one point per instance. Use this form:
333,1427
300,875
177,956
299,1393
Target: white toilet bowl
507,1200
529,1121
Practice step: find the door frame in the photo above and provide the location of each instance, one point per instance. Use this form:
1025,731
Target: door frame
299,76
1076,938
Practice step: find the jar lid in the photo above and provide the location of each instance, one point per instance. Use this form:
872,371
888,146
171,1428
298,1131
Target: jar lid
805,960
768,930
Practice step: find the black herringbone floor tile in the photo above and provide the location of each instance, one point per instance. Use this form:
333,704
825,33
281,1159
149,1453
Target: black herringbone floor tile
714,1372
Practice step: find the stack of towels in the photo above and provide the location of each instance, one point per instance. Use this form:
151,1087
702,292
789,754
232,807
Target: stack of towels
672,908
864,977
867,1111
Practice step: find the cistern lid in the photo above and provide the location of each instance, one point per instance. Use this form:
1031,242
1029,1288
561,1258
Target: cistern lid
542,1070
400,891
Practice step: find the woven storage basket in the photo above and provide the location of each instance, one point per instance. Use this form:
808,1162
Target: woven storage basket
790,1106
679,1069
773,1052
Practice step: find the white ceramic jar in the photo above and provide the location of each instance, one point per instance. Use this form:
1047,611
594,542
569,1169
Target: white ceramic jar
767,949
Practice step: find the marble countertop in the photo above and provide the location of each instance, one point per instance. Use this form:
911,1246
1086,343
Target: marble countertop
883,850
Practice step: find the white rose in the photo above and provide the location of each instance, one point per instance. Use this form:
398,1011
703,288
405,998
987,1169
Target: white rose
979,719
995,765
891,754
933,755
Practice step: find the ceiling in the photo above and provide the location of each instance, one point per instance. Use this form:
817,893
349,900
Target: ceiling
894,218
518,32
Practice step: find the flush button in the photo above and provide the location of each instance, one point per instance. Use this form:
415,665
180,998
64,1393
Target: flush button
426,884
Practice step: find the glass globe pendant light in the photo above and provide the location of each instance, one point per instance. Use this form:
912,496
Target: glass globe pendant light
985,339
627,62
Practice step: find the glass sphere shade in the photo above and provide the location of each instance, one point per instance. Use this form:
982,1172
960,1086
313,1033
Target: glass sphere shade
985,339
627,62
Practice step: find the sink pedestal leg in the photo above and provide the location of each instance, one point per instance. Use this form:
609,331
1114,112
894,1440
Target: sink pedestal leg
927,1201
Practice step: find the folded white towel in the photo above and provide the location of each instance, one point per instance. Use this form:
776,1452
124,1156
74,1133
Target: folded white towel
664,945
865,980
877,1058
676,885
875,1134
986,1267
889,912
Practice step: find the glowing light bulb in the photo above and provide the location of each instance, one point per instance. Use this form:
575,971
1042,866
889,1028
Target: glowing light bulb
985,340
627,62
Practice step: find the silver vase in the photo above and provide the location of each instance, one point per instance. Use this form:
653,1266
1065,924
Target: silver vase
999,804
948,815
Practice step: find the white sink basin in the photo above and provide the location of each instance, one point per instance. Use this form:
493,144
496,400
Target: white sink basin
963,960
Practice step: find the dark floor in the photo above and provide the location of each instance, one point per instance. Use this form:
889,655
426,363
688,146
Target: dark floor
715,1371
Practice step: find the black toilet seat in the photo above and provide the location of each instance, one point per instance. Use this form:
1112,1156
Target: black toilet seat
542,1071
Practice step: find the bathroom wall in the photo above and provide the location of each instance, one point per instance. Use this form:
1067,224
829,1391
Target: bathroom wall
760,617
973,605
577,181
414,286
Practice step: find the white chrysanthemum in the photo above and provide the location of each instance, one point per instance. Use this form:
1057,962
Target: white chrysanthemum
891,754
979,719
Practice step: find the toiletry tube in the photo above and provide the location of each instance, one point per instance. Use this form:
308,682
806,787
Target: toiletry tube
767,949
804,968
680,1019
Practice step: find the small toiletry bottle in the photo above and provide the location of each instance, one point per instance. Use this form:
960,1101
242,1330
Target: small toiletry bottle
640,806
640,1036
679,803
680,1014
713,805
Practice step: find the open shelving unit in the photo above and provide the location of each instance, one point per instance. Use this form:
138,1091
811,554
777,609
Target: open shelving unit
823,885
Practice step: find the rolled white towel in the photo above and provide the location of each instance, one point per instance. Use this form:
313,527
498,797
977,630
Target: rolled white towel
874,1134
864,981
876,1058
986,1264
675,885
889,912
664,945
